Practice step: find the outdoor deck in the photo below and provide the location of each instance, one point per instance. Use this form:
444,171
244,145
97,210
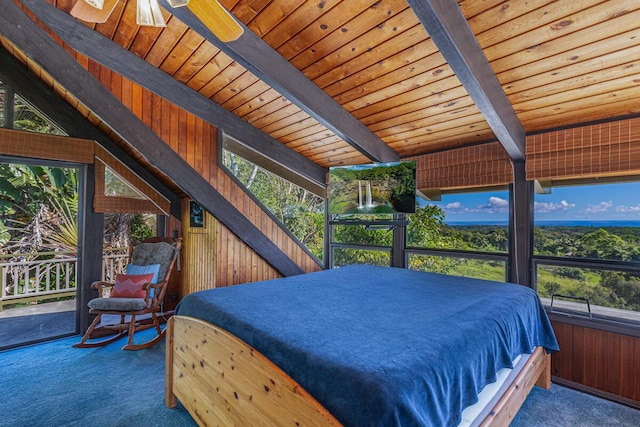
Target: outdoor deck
36,322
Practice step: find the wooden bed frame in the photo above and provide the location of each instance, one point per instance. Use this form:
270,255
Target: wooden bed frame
221,380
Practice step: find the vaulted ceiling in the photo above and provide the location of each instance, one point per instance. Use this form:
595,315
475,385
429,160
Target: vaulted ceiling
342,82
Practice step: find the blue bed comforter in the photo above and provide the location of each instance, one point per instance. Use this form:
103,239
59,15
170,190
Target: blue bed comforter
383,346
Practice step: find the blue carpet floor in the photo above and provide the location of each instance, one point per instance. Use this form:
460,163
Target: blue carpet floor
54,385
564,407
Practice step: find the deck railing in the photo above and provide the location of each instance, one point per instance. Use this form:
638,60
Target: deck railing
47,275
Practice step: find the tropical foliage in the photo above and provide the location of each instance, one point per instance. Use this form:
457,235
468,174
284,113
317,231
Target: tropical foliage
38,207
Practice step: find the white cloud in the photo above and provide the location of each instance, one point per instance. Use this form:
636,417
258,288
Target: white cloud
600,207
494,205
455,208
497,202
541,207
628,209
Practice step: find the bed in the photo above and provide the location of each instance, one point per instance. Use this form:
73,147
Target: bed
353,346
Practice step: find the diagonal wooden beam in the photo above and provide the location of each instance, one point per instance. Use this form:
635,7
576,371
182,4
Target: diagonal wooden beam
450,31
16,74
108,53
268,65
27,36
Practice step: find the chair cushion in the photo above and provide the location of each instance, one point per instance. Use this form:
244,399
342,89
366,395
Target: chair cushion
144,269
117,304
154,253
131,285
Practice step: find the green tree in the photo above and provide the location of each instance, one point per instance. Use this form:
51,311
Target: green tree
28,118
426,229
601,244
62,230
624,290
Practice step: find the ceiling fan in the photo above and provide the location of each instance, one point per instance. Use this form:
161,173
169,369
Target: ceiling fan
210,12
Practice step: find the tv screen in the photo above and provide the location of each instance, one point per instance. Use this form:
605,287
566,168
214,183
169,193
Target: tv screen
379,188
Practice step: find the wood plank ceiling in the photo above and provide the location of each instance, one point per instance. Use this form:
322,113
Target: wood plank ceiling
560,63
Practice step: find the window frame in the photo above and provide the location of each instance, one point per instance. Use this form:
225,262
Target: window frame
222,135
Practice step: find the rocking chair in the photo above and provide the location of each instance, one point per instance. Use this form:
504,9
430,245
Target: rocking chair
137,293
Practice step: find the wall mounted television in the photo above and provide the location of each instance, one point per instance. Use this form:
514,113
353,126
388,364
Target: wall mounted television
378,188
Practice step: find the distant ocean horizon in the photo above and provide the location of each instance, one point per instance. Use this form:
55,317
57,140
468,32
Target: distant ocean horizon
570,223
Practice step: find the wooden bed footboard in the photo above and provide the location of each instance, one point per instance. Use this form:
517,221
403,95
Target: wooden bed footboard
221,380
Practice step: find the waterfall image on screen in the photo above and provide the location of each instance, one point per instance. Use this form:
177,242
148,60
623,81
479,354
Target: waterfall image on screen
377,188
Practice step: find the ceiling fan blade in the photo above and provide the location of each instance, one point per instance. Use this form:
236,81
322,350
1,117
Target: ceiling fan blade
217,19
85,12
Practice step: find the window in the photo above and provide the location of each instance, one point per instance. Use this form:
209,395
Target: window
348,256
586,247
463,234
115,186
27,117
17,113
291,200
361,239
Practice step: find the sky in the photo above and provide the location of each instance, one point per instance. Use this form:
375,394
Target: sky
610,202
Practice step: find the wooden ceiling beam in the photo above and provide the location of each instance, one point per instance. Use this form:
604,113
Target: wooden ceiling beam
268,65
451,33
108,53
17,75
29,38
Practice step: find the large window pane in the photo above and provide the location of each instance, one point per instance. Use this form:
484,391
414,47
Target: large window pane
299,210
609,293
363,234
582,224
589,221
467,221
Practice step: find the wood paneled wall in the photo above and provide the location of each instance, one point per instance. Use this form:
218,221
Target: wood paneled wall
231,261
600,360
198,253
